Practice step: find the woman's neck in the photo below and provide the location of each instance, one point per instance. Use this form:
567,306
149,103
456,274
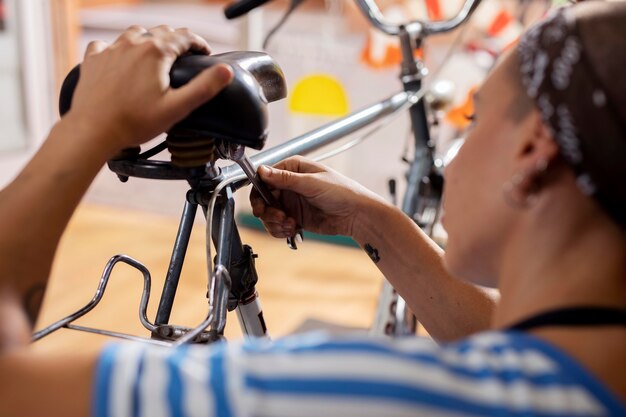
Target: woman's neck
546,268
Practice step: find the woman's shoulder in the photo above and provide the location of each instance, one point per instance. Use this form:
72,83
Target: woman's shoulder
526,371
491,373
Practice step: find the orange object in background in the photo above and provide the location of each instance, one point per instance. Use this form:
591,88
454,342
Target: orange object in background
391,58
434,10
382,51
459,116
499,23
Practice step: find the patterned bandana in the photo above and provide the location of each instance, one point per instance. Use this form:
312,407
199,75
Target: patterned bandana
574,101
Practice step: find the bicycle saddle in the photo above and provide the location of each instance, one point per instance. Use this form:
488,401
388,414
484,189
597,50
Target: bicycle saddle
237,114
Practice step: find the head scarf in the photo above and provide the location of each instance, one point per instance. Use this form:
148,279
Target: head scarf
573,65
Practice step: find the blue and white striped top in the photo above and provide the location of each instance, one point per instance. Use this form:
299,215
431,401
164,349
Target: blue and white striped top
490,374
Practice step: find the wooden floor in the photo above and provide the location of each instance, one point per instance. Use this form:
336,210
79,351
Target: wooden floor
319,281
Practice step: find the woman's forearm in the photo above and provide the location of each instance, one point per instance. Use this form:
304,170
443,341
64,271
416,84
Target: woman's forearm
36,206
448,308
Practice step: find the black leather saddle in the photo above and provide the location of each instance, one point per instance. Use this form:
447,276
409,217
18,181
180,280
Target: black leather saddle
238,114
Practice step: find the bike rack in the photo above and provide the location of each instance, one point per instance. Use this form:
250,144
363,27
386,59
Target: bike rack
180,335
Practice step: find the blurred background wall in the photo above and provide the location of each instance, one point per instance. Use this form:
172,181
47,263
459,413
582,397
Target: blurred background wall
333,62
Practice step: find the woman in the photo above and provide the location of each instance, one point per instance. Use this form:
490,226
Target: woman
534,205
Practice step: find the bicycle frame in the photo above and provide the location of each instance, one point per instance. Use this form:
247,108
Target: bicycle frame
232,280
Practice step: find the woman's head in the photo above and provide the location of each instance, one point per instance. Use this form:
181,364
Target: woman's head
548,147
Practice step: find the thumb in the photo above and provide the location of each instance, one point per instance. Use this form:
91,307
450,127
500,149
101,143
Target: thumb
282,179
181,101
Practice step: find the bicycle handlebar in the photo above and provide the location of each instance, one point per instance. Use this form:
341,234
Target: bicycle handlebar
418,28
433,28
242,7
372,13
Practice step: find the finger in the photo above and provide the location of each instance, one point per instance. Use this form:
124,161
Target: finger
258,207
289,224
283,228
179,41
160,29
284,179
301,164
95,47
275,193
276,231
196,42
274,227
179,102
273,215
256,202
132,32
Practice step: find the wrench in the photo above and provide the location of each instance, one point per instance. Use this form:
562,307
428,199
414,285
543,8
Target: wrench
248,168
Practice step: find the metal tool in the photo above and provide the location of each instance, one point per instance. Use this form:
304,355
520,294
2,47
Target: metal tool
237,154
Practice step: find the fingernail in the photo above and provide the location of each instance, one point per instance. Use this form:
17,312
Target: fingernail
225,72
265,170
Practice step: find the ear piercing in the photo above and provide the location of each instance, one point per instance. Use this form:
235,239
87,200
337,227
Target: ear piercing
520,191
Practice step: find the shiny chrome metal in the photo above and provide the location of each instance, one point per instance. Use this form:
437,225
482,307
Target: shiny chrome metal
218,297
405,321
440,95
322,136
416,28
118,335
106,274
433,28
370,10
250,315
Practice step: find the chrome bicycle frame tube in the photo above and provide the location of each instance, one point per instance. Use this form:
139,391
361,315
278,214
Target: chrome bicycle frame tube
329,133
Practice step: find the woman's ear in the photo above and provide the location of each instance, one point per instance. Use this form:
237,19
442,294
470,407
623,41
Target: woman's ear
537,145
536,159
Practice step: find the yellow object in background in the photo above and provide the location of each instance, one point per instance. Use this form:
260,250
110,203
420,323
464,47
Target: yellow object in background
319,95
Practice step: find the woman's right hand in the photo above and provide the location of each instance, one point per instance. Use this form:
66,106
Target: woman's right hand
313,197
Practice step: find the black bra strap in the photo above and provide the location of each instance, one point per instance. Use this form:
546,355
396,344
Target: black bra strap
574,316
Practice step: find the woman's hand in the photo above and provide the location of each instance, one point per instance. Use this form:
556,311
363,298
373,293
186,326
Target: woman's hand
124,91
314,197
122,99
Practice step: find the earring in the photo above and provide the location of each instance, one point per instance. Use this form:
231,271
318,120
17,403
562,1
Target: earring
520,191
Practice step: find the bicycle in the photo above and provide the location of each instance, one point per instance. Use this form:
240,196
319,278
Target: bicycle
215,131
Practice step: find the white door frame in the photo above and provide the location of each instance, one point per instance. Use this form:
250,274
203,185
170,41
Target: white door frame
36,48
32,24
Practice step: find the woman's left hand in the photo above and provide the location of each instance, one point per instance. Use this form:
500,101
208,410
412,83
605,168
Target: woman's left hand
124,94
